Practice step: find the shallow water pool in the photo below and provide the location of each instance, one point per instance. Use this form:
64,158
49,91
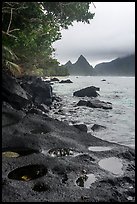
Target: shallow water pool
112,164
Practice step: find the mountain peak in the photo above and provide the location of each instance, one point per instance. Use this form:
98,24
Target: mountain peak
69,63
81,58
80,67
82,62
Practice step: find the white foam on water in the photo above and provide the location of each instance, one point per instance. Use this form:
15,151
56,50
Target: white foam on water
112,164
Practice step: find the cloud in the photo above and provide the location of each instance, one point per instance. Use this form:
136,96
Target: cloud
110,34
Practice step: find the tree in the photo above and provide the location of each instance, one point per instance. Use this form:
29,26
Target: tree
30,28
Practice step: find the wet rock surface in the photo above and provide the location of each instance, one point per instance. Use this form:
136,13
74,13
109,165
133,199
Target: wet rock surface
40,91
81,127
95,103
56,181
54,79
97,127
88,91
13,93
45,159
66,81
27,173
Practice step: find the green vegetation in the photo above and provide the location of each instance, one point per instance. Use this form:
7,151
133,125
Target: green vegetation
30,28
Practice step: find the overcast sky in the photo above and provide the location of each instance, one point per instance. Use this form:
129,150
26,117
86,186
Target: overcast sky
110,34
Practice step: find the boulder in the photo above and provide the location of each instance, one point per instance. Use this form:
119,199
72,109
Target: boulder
99,104
43,108
95,103
36,111
66,81
40,91
81,127
97,127
82,103
13,93
27,79
89,91
54,79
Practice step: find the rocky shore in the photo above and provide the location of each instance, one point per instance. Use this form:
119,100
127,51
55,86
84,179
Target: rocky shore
46,160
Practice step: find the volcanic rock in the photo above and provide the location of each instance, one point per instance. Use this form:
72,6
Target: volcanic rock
89,91
81,127
66,81
59,155
42,158
97,127
95,103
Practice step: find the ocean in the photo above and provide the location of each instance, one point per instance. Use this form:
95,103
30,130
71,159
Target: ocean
119,121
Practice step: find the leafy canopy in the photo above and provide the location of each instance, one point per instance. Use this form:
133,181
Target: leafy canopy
30,28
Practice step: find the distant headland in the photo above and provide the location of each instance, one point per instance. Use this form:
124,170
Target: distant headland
124,66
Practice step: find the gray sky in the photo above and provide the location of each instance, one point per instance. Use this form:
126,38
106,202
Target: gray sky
110,34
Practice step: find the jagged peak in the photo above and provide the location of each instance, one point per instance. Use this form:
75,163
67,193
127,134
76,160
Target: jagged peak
82,60
81,57
69,63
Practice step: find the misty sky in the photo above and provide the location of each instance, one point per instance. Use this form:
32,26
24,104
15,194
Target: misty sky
109,35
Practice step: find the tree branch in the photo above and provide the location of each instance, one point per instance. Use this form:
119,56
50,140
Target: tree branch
10,21
9,34
94,5
13,30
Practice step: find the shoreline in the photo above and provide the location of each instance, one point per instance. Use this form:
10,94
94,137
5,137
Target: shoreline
116,120
46,160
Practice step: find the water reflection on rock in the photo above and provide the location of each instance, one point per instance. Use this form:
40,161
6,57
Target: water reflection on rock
86,180
99,148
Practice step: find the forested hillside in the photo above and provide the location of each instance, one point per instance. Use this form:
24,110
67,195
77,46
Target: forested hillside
124,66
30,28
